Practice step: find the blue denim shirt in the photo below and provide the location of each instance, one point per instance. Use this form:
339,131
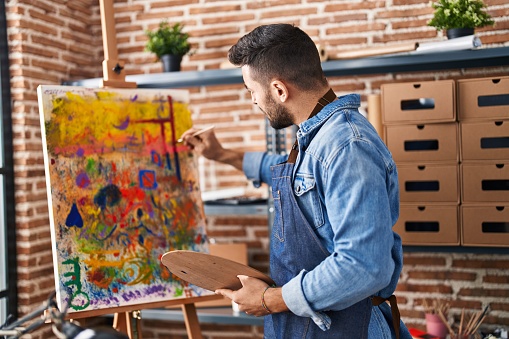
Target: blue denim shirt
345,182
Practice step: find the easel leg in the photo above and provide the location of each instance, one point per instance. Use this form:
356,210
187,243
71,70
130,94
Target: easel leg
135,319
128,323
120,322
191,320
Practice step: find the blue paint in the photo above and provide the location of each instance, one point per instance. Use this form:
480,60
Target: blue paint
156,158
103,235
123,239
74,217
147,179
108,196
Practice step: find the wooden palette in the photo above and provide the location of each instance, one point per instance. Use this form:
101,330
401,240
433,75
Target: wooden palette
208,271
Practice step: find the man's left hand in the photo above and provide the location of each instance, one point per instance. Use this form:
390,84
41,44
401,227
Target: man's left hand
249,297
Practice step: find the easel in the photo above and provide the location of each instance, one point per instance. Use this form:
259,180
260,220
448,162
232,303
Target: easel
127,319
113,69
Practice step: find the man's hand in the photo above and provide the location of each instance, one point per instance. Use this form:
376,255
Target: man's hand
206,144
249,297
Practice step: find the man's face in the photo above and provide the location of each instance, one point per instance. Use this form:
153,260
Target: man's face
278,115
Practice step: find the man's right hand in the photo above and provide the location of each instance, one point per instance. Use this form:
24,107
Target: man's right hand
207,145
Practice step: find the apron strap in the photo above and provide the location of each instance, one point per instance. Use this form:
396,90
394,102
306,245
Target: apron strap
394,310
329,97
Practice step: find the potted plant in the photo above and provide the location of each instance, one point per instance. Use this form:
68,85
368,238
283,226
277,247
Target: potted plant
459,17
169,44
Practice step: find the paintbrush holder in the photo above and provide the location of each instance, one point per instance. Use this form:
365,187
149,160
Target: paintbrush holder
435,326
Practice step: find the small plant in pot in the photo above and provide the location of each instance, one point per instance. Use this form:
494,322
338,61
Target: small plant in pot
459,17
169,44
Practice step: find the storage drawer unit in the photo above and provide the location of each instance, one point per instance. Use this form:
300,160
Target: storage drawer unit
487,140
483,99
485,182
422,102
429,183
428,224
485,225
423,143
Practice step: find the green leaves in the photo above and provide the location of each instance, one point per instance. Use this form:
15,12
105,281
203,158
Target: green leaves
459,14
167,40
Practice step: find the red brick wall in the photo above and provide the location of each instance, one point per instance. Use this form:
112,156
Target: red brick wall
48,41
52,41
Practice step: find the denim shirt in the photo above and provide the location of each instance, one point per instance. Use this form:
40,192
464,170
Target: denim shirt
346,185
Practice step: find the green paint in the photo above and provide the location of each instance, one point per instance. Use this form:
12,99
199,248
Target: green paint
75,280
178,292
90,166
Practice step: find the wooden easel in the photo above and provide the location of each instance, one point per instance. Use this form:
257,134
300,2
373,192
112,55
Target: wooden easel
127,319
113,69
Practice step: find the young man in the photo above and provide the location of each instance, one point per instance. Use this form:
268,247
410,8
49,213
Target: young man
334,256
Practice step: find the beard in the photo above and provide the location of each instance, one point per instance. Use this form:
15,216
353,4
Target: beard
279,117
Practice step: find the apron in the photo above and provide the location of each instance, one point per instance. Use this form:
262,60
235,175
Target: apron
295,247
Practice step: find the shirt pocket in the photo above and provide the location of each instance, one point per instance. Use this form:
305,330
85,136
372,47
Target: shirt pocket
304,187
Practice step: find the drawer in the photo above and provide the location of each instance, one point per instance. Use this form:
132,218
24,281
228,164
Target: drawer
423,143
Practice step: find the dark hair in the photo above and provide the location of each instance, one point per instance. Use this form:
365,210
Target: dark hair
280,51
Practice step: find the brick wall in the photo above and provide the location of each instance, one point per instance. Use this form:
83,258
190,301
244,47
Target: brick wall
52,41
48,41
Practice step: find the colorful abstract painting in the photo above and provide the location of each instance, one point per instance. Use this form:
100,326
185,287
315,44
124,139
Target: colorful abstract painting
121,191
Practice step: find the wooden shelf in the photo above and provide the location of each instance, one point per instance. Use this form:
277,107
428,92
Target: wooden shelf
486,57
252,210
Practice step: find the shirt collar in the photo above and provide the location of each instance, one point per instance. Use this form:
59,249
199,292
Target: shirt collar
312,124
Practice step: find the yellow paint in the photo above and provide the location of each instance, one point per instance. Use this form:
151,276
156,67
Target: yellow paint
83,120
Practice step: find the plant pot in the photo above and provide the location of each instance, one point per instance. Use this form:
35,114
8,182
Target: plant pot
171,63
453,33
435,326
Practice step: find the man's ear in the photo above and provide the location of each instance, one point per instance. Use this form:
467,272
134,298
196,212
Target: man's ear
279,90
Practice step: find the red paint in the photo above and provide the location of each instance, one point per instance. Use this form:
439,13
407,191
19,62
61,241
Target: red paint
97,277
133,194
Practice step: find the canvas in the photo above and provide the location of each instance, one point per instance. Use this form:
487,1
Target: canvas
121,192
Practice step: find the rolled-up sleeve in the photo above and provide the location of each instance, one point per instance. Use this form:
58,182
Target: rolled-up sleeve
296,301
256,166
251,166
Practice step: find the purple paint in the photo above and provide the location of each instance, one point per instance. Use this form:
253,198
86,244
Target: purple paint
82,180
80,152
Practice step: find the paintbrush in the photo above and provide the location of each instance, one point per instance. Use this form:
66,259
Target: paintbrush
461,321
446,323
198,132
480,319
